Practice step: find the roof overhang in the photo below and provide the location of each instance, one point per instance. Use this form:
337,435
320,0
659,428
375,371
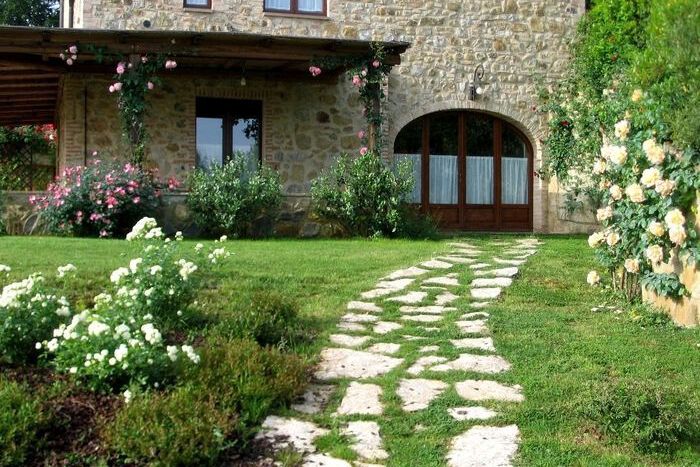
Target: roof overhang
30,66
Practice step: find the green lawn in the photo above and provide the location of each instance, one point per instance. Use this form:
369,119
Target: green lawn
559,348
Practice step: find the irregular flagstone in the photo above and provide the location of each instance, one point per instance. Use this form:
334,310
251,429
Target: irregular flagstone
384,348
348,341
353,327
479,304
479,266
396,285
510,262
358,318
485,446
426,329
492,282
422,318
314,399
457,259
417,394
410,297
477,326
436,264
367,442
361,399
490,364
465,252
503,272
461,245
376,293
408,272
471,413
482,343
429,348
323,460
445,298
430,309
385,327
291,433
486,293
475,314
413,338
483,390
364,306
423,362
501,244
442,280
347,363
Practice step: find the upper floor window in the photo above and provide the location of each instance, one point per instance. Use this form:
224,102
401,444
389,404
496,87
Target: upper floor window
301,7
197,3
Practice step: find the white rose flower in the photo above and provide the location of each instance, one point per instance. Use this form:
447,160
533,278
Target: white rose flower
127,396
674,218
96,328
615,154
62,271
665,187
613,238
616,192
635,193
655,254
73,370
198,247
604,214
650,177
178,236
223,238
677,234
134,264
654,152
4,269
632,265
141,228
121,352
622,129
595,239
593,278
656,229
118,274
600,166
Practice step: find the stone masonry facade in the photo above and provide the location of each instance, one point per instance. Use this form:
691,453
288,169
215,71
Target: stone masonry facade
522,45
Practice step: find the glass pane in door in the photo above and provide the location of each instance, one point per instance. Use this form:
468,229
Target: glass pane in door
245,135
210,141
408,149
514,176
480,167
444,149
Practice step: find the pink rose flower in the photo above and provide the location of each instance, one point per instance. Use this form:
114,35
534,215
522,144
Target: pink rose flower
314,70
103,233
364,151
361,134
137,200
120,68
150,86
118,86
376,64
111,88
69,61
356,80
73,49
144,59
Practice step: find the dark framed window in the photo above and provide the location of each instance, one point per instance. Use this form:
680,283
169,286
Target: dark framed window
297,7
226,127
204,4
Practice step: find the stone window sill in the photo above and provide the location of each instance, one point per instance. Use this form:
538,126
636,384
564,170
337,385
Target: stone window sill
198,10
273,14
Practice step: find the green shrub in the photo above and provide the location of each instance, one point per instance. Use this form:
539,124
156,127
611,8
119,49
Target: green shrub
651,417
3,227
235,199
362,195
268,318
20,423
181,428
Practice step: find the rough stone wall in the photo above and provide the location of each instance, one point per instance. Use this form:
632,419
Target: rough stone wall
520,43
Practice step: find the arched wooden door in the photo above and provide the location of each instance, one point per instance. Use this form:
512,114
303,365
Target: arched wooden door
472,171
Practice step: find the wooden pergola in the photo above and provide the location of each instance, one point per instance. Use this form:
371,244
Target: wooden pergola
31,69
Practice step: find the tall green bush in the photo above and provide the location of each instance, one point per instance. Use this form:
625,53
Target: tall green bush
20,423
235,199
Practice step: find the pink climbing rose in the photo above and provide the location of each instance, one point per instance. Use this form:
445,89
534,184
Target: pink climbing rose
376,64
73,49
170,64
364,151
356,80
361,134
121,68
314,70
150,86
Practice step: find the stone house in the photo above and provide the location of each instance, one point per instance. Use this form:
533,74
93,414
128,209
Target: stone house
461,99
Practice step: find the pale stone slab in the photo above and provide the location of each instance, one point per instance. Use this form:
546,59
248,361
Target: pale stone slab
427,329
385,327
465,252
429,348
462,245
436,264
502,272
376,293
423,362
479,266
485,446
486,293
410,297
432,287
492,282
347,363
367,442
479,304
445,298
352,327
489,364
314,399
358,318
477,326
471,413
396,285
501,244
361,399
422,318
475,314
482,343
408,272
483,390
291,433
386,348
368,307
442,280
348,341
510,262
324,460
417,394
413,338
457,259
430,309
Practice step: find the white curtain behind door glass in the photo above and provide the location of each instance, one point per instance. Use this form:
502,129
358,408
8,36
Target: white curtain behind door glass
514,186
315,6
278,4
414,159
443,179
479,180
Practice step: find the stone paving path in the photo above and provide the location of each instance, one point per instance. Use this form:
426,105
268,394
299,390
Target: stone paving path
361,360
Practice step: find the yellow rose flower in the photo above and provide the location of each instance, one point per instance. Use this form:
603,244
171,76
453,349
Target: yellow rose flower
622,129
613,238
665,187
632,265
674,218
655,254
650,177
616,192
635,193
595,239
656,228
677,234
593,278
